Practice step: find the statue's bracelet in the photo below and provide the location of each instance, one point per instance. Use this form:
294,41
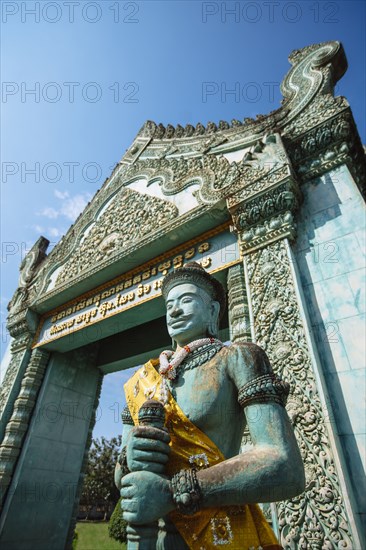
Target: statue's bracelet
187,494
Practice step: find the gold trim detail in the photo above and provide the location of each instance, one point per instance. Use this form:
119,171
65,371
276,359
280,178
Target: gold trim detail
122,278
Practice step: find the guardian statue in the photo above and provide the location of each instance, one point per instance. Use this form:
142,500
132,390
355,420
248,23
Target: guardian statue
184,483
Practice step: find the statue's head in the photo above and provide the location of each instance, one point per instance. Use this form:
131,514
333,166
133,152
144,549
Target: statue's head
195,301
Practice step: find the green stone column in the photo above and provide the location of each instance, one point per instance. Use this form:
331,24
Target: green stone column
10,386
24,374
239,320
264,217
22,412
321,517
18,392
49,433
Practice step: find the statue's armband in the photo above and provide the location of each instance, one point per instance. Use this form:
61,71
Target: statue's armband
264,389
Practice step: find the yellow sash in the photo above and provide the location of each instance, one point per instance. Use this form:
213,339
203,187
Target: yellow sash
235,527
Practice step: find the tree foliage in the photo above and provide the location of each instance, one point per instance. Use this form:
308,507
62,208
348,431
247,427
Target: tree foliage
117,525
99,491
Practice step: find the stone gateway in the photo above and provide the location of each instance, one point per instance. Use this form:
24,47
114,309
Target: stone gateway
272,209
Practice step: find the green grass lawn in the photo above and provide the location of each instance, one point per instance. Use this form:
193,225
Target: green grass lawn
94,536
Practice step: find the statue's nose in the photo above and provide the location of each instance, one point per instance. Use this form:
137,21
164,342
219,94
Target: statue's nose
175,311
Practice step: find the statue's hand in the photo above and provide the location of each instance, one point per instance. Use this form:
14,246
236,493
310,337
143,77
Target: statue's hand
147,449
146,497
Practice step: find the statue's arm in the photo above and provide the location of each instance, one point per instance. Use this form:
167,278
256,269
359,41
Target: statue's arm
272,469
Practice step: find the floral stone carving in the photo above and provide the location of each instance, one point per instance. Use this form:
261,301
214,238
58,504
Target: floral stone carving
316,519
129,217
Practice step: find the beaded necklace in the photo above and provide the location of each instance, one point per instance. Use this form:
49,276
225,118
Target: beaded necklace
168,367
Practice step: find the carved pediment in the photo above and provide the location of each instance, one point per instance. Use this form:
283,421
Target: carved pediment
314,72
128,217
216,176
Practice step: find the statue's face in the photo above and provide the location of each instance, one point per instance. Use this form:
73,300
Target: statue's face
190,311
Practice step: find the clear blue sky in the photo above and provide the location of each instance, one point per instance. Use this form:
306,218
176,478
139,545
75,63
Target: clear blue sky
100,69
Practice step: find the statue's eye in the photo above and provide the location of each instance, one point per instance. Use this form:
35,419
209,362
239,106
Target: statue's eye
186,300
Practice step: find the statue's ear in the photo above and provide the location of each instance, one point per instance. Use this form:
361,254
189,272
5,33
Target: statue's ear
215,311
213,324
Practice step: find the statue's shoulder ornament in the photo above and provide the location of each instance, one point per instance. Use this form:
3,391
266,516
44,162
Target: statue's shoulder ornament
254,377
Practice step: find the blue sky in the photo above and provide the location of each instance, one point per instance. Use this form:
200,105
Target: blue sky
98,70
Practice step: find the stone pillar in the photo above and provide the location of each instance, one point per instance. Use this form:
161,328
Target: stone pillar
18,392
25,370
87,357
40,508
23,408
318,518
322,517
22,324
22,329
239,321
